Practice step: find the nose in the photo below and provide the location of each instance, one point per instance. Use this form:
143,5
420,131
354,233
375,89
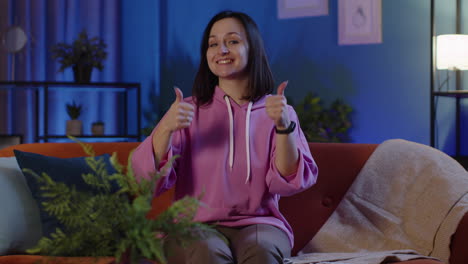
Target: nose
223,49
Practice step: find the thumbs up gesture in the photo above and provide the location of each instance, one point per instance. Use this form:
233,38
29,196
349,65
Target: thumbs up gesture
180,114
276,107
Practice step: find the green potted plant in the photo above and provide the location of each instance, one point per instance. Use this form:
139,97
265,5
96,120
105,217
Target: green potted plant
97,128
82,55
74,126
110,216
324,124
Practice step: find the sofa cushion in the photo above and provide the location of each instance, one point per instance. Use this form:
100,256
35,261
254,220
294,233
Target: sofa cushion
68,171
20,226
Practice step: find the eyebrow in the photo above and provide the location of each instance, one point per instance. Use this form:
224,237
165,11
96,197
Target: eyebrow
229,33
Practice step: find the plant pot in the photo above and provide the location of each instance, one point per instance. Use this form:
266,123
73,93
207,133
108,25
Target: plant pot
126,259
82,73
74,127
142,261
97,129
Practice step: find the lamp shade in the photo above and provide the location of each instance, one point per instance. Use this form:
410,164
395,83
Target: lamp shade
452,52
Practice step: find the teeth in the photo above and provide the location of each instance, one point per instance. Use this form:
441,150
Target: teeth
224,61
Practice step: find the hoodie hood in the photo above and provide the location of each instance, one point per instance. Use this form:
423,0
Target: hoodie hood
219,95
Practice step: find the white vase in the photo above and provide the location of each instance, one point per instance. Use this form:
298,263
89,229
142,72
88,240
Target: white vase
74,127
97,129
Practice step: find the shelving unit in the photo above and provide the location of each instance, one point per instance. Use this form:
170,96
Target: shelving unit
127,91
455,94
458,94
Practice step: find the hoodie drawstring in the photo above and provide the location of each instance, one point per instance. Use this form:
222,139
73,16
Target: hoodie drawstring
231,136
247,140
231,132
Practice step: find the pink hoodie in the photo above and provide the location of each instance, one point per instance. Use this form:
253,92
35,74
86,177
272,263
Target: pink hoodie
233,169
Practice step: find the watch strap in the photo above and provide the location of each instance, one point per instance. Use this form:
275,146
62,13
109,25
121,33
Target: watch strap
288,130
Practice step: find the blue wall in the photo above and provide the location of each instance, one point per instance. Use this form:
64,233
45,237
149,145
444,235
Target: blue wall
387,84
140,38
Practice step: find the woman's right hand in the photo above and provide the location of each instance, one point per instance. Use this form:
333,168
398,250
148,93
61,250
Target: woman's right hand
179,115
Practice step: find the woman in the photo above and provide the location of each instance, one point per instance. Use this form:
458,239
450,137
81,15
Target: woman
239,146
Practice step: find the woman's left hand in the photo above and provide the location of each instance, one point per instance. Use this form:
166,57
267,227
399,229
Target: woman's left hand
276,107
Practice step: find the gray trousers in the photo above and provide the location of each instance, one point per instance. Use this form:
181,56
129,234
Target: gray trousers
253,244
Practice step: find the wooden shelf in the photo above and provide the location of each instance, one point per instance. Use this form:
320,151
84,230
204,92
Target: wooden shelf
456,93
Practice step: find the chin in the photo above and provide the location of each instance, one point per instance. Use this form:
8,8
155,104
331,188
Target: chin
226,75
232,75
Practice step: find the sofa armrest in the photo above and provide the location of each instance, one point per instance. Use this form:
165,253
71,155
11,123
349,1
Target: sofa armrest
458,252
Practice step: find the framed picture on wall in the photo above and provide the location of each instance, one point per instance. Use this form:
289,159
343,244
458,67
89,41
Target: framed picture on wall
359,22
302,8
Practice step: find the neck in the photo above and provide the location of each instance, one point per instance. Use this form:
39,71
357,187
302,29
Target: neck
236,89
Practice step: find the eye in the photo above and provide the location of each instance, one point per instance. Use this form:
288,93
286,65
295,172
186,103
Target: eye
234,41
211,45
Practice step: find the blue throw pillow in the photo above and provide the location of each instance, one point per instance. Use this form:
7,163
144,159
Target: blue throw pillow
68,171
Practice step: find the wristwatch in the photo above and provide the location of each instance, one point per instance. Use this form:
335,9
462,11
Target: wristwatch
288,130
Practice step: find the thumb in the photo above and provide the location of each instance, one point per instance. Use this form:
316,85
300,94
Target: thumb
179,94
282,87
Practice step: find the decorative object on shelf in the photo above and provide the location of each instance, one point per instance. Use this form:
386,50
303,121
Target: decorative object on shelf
108,214
82,55
321,124
97,128
7,140
359,22
74,126
302,8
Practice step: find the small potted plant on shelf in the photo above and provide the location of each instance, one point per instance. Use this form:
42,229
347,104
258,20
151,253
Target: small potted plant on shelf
82,55
74,126
97,128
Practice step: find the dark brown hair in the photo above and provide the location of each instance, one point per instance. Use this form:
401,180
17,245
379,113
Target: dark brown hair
260,76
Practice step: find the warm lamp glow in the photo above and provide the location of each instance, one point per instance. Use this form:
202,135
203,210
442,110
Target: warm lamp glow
452,52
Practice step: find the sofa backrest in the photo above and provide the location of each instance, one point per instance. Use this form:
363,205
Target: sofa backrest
70,150
338,163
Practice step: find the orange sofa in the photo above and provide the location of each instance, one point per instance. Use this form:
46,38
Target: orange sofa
306,211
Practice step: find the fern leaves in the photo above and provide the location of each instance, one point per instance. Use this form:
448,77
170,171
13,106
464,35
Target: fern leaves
103,221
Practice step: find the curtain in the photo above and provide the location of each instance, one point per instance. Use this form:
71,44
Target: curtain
47,22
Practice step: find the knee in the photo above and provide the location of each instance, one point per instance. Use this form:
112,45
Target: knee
208,249
204,247
262,252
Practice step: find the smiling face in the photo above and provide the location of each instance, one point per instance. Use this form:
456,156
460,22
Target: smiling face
228,49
